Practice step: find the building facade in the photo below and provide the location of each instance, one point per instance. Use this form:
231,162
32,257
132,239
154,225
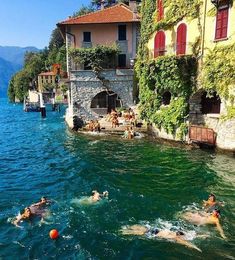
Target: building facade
93,95
202,30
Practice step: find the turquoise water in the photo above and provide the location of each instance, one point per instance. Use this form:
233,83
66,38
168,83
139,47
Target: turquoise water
148,183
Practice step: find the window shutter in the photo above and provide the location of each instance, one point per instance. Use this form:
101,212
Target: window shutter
221,24
181,39
160,9
159,44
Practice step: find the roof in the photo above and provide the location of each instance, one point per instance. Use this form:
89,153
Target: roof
48,73
119,13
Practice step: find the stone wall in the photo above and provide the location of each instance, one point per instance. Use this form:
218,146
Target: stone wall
85,86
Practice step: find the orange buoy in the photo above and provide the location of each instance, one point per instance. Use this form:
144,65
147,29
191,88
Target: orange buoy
54,234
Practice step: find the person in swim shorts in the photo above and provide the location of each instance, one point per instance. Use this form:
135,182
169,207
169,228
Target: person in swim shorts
205,219
178,236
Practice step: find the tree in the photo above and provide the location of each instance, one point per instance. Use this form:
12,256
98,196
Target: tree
84,10
56,40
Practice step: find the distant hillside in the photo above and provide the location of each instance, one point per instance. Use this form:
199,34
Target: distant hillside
11,61
15,54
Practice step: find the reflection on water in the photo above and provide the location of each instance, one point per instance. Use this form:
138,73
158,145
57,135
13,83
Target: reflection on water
148,184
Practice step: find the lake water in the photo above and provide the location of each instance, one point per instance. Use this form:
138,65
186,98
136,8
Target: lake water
148,183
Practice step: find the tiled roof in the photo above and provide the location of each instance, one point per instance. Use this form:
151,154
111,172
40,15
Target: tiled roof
48,73
119,13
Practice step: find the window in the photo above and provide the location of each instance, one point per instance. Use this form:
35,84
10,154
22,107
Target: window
122,32
86,36
160,10
221,28
181,39
122,60
159,44
166,98
210,105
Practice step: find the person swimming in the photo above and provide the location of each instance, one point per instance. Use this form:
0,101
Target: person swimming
210,204
96,196
26,215
36,209
178,236
200,218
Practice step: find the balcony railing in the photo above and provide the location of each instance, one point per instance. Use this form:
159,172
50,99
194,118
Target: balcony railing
172,49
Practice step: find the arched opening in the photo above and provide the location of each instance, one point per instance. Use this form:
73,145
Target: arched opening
166,98
159,44
104,101
181,39
210,105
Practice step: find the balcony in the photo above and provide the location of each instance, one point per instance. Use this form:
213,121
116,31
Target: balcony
172,49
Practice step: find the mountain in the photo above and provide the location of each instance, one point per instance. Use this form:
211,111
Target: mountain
11,61
15,54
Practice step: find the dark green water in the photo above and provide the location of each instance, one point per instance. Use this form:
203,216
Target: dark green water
147,183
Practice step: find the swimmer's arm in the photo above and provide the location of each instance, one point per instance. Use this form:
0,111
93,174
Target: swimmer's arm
219,228
187,244
17,220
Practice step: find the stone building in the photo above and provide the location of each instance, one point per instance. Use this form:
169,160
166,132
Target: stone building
93,95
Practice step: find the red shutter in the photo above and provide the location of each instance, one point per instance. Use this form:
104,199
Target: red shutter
159,44
160,9
181,39
221,24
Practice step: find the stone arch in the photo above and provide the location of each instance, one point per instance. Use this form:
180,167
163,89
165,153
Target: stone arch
104,101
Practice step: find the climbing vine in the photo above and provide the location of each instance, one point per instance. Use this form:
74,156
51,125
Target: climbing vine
218,71
176,10
98,57
170,73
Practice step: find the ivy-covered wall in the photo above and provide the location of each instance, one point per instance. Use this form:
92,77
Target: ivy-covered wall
175,74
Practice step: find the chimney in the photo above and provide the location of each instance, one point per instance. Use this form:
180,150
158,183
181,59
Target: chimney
102,5
133,5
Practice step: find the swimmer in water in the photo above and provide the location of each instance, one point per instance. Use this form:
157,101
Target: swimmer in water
210,204
43,201
26,215
178,236
96,196
35,209
199,219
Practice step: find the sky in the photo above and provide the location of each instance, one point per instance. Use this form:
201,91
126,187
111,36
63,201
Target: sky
30,22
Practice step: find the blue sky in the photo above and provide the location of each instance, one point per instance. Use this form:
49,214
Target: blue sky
30,22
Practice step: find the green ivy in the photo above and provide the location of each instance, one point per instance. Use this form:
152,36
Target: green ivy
98,57
176,10
176,74
218,71
230,114
171,117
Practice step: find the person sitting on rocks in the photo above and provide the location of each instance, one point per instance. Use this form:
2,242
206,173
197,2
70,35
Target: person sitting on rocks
115,121
97,126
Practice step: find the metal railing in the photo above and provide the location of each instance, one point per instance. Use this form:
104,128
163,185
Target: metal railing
172,49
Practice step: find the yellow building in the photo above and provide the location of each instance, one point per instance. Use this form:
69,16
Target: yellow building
204,30
46,81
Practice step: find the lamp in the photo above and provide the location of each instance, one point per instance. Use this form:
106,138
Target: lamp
215,3
132,62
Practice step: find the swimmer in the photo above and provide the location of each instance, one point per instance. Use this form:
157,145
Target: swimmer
35,209
43,201
210,204
96,196
26,215
178,237
199,219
